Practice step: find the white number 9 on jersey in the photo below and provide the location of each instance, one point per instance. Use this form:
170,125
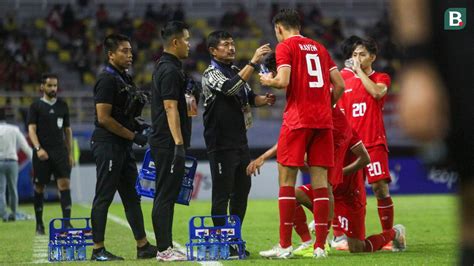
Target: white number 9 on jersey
314,70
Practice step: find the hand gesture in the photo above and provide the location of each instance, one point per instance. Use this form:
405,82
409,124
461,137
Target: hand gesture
42,155
356,67
260,53
265,79
254,167
270,99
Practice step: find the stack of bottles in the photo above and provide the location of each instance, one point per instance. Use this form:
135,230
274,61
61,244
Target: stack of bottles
215,242
69,244
214,247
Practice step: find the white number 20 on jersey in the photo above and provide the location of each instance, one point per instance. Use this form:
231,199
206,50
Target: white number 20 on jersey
358,109
314,69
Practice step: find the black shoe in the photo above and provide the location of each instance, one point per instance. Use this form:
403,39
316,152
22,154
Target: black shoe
103,255
148,251
11,217
40,230
234,253
68,225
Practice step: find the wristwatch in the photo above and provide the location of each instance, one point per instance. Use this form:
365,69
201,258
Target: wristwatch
37,148
255,66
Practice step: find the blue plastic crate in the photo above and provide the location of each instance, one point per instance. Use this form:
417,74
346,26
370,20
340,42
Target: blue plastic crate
213,242
69,244
145,184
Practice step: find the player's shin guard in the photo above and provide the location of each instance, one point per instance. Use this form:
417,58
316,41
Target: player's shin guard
66,203
376,242
38,204
286,204
321,214
301,227
385,209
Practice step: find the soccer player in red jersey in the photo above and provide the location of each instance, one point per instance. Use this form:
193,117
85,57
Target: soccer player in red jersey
306,70
346,49
363,102
350,202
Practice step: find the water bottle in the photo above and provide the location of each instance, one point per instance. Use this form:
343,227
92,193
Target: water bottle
70,249
57,249
214,248
81,248
224,247
201,249
349,63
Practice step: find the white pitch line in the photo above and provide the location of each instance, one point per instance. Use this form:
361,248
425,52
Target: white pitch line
40,249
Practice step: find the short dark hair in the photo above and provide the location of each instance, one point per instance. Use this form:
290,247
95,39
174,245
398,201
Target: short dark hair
46,76
347,46
214,38
288,18
172,29
270,61
369,44
112,42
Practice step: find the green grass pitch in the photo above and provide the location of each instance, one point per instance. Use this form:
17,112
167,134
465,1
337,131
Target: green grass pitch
431,223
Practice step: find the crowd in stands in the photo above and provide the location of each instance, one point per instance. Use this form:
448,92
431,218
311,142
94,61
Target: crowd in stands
73,33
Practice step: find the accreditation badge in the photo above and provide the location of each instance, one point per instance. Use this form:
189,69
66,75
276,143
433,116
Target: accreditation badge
247,116
60,122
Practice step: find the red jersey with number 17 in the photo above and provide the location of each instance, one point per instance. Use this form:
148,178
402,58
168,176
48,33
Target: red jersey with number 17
363,112
308,93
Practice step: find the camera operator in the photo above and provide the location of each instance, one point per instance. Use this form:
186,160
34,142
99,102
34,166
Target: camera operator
117,104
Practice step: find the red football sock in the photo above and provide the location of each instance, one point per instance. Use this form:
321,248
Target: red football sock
385,208
336,230
376,242
321,214
286,204
301,227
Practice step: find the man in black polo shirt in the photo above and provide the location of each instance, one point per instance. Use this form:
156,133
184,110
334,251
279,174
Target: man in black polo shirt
227,117
51,136
111,145
170,135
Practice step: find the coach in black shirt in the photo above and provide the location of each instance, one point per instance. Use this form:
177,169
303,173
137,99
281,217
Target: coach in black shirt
51,136
112,148
227,117
170,135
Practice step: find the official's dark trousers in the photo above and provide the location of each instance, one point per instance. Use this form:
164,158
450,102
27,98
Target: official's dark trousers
168,185
230,183
116,171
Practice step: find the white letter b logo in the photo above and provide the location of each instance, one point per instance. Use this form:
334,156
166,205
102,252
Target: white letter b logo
455,18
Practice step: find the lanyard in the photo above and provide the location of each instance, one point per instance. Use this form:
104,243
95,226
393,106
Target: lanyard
115,73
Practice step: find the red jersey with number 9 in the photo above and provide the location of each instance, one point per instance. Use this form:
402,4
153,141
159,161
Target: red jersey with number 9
308,96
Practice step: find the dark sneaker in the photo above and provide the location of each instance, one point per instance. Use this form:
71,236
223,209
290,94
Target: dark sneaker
103,255
40,230
67,225
148,251
234,253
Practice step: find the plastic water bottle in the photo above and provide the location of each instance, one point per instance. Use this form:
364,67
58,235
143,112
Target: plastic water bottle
70,249
57,249
224,247
214,248
201,250
81,248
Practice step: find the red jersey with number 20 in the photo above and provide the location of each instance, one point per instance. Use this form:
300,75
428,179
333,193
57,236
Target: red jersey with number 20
308,93
363,112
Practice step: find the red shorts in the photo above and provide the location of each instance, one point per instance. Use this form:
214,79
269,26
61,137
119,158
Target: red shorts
351,218
377,169
316,143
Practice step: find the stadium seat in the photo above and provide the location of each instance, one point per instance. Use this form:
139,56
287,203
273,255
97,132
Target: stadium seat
52,46
88,78
64,56
40,24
